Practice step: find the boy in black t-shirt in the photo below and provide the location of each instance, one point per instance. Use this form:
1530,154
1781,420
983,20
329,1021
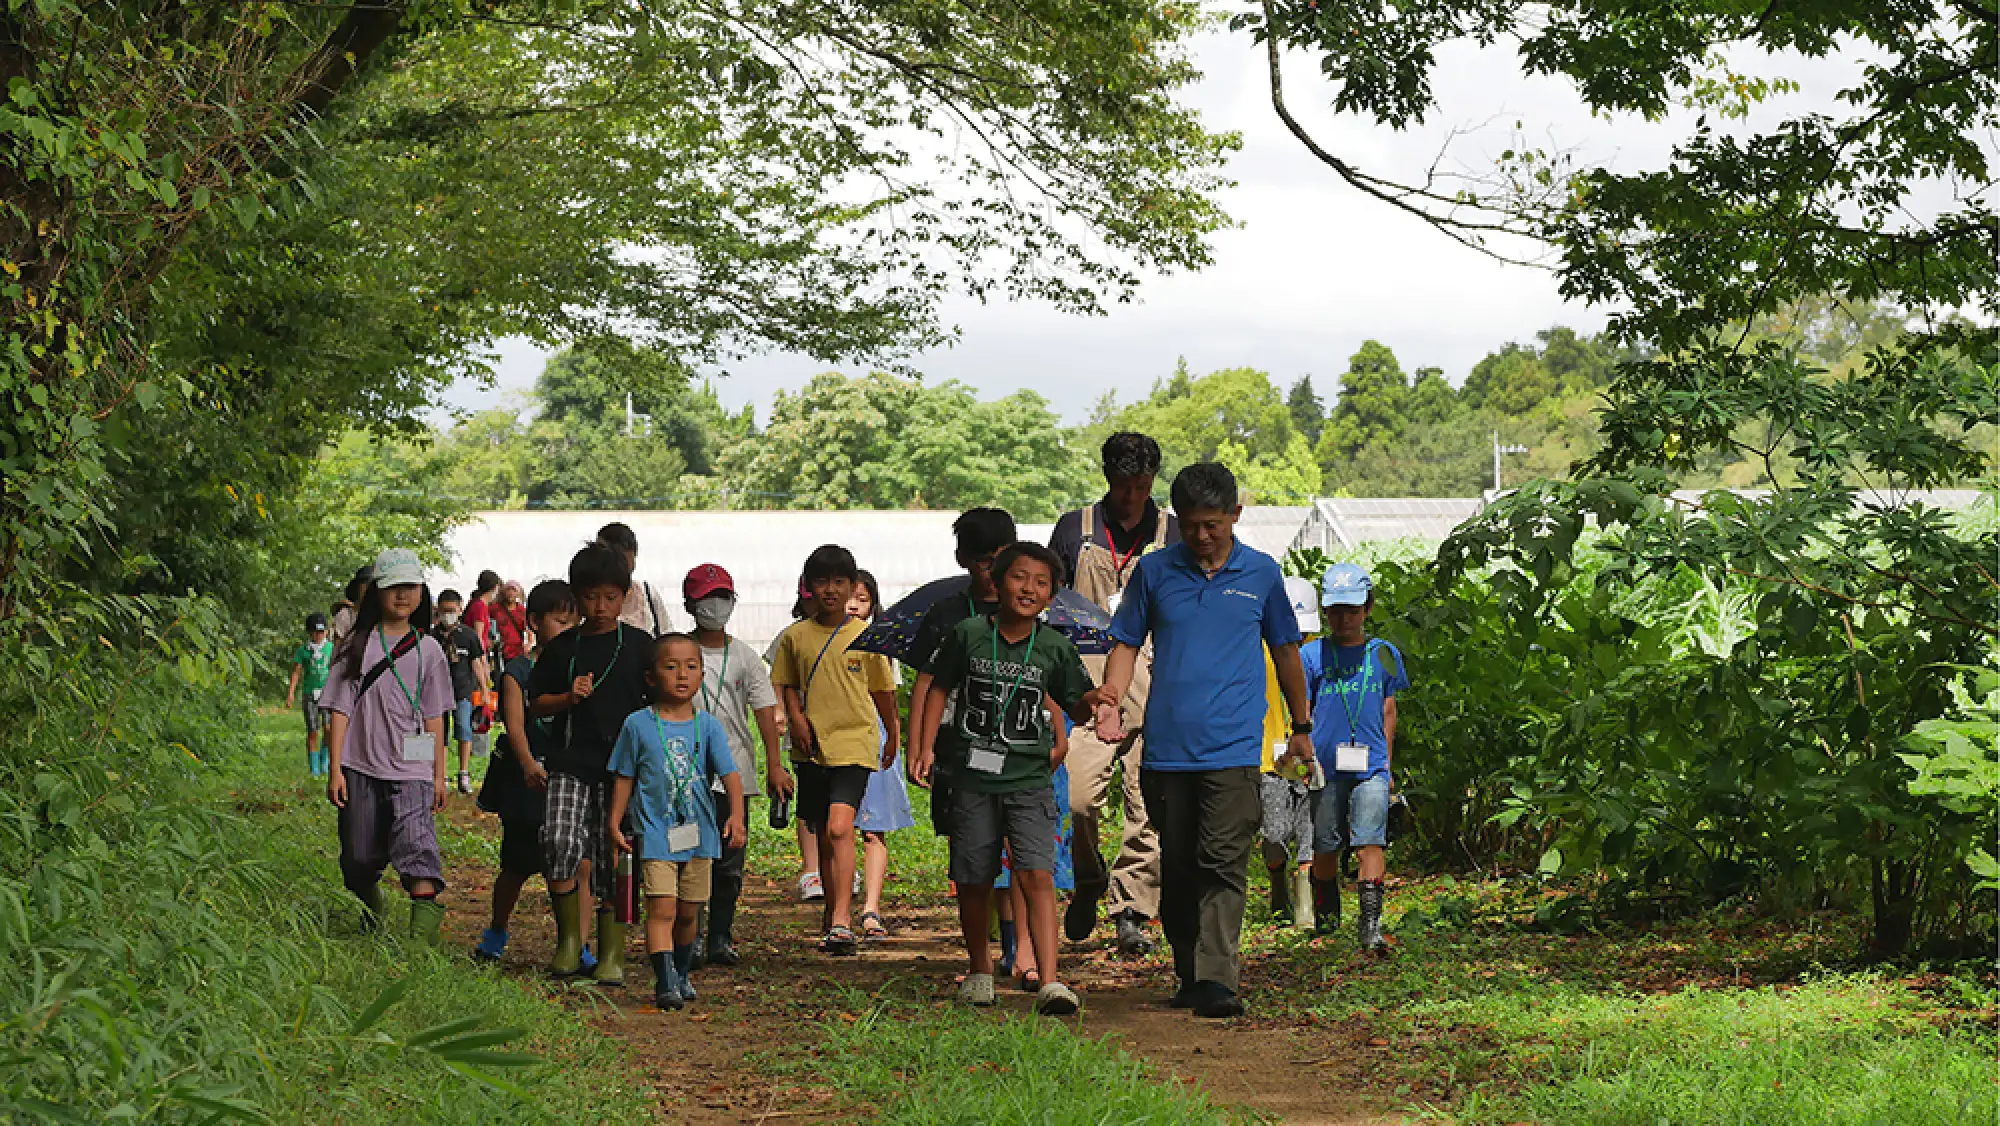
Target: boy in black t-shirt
588,680
465,654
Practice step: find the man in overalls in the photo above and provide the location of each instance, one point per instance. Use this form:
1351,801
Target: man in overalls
1101,545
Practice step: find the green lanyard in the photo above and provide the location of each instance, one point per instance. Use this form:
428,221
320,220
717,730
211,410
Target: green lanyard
682,774
721,683
569,728
1007,701
1352,710
413,697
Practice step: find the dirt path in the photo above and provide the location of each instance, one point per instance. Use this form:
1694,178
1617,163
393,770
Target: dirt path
771,1003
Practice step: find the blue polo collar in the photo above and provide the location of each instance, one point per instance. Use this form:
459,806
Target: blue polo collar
1184,557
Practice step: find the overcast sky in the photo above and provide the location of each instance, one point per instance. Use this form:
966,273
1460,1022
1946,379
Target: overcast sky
1314,269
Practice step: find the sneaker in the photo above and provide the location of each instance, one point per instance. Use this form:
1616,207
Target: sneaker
1133,941
976,989
492,944
1056,1000
464,782
1217,1002
809,887
721,953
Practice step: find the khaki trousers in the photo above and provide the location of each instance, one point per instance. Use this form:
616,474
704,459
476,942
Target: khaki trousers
1133,881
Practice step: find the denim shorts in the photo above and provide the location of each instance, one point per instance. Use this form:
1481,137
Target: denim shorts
1351,812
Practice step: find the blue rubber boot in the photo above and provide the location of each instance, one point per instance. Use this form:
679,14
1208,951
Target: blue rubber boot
492,944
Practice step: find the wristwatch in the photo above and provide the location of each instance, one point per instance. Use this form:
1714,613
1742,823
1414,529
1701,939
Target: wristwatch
1305,728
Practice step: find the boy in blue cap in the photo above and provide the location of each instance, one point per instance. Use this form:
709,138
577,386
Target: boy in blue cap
1353,679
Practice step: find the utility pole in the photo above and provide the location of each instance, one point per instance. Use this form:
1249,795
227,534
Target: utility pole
632,417
1498,450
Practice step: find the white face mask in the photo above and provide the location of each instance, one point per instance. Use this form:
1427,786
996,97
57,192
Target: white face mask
713,612
450,619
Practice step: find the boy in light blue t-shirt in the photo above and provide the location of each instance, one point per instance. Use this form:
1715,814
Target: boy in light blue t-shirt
1353,679
665,755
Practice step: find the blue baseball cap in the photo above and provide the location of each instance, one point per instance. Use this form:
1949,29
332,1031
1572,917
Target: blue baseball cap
1344,584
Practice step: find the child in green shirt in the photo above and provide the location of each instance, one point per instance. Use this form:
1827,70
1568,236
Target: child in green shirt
1003,667
311,661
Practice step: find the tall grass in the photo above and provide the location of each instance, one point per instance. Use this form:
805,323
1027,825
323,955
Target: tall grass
177,947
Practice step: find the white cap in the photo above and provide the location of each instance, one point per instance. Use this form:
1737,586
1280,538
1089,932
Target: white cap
1305,602
398,566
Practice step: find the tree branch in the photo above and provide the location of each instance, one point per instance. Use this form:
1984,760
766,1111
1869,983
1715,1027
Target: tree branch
1454,229
365,28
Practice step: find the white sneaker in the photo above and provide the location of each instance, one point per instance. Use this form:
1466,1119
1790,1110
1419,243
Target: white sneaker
464,782
976,989
1057,1000
809,887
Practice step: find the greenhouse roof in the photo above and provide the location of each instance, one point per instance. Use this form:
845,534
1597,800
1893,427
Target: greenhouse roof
1348,522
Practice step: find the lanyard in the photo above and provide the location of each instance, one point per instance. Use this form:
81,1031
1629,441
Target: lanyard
1333,688
413,697
1118,565
569,728
681,773
721,683
1020,674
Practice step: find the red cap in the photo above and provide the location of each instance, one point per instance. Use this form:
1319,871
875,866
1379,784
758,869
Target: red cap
705,580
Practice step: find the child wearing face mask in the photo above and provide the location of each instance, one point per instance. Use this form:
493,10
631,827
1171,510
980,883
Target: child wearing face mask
466,655
735,689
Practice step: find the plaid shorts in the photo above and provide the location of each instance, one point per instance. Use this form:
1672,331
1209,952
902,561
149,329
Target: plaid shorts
574,831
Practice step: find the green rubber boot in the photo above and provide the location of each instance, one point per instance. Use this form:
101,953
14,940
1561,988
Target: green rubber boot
568,957
426,916
610,950
371,908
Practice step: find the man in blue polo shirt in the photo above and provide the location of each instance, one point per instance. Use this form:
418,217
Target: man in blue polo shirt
1210,605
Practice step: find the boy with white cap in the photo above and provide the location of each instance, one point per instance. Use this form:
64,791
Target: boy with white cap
1353,680
1287,789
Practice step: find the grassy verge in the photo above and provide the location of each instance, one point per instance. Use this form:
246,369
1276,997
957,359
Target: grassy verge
1728,1018
185,951
908,1063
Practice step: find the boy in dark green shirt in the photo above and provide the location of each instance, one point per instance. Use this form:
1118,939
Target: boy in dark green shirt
1002,667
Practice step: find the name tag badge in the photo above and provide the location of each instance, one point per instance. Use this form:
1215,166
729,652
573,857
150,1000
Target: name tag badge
421,747
1351,758
1117,599
681,838
987,759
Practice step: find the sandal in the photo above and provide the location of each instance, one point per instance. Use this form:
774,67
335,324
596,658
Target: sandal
1030,981
872,927
839,941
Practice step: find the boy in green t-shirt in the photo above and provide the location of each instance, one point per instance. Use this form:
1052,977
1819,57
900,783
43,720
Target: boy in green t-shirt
1003,666
311,661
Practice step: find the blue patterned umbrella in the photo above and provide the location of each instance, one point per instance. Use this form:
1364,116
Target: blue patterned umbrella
894,631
